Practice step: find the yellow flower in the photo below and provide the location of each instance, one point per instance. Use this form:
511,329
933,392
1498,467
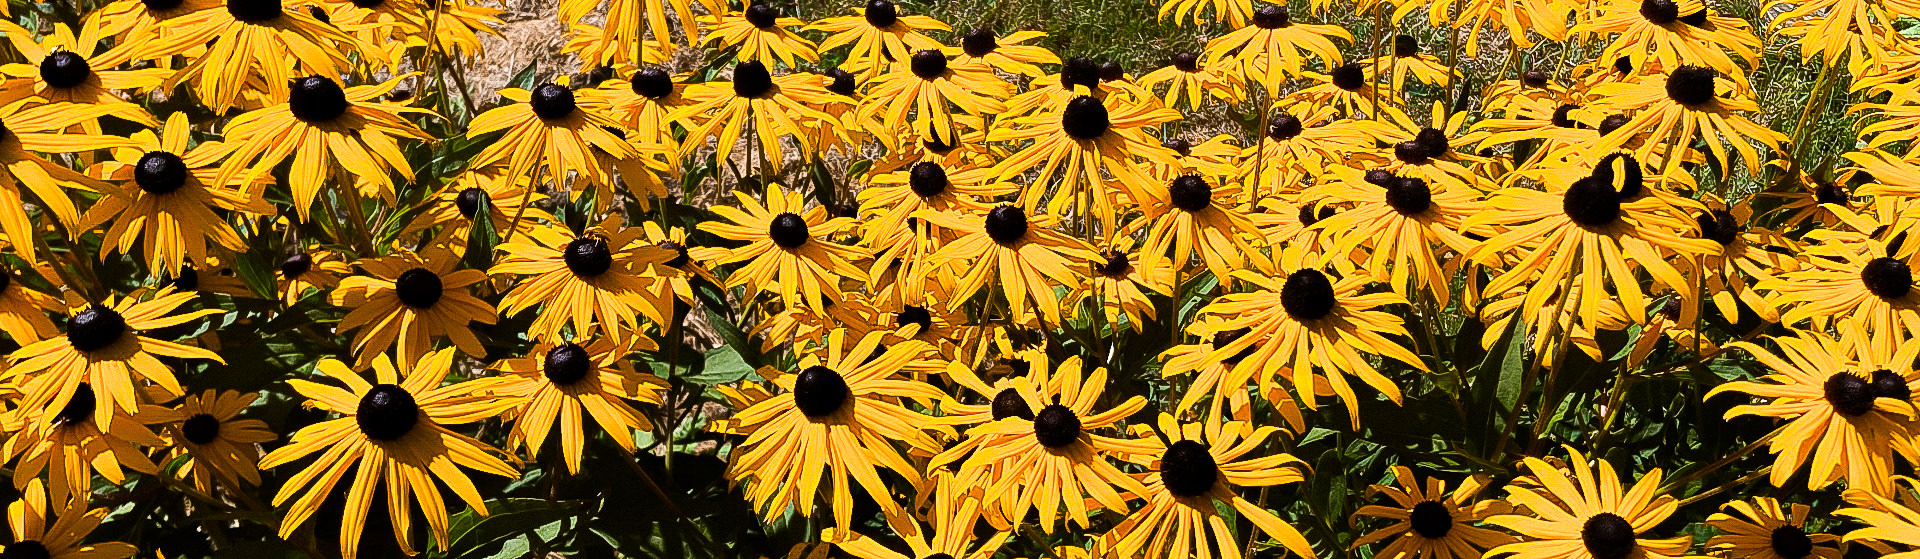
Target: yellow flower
406,299
165,196
556,382
331,134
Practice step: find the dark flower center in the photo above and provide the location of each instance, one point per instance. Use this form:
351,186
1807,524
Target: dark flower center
567,364
387,412
1056,426
927,179
1188,469
1612,123
915,315
1405,46
762,15
1085,118
296,265
1412,152
1790,542
819,391
159,172
6,280
1631,179
79,408
1180,146
201,428
882,14
1190,193
1886,277
161,5
187,279
1591,202
418,288
1828,193
1562,116
253,11
318,14
1007,224
1691,86
1660,12
1438,145
679,253
1283,127
788,230
1349,77
588,256
1409,196
1080,70
552,102
64,69
1308,216
979,42
1886,384
1307,295
1116,265
928,64
1719,225
1187,61
1008,403
934,144
1535,79
1608,536
1379,177
316,99
26,549
652,83
1431,519
468,202
1696,19
1271,17
1112,71
841,82
1623,65
368,4
95,328
1849,394
1225,338
751,79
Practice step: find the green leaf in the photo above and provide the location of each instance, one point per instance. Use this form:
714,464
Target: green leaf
510,518
524,78
723,365
481,240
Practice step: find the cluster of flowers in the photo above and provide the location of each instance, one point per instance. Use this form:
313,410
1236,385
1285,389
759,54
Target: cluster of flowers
1016,195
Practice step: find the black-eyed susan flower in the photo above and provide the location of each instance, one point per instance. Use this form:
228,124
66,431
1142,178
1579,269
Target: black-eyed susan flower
1080,142
1303,321
66,537
922,93
1194,470
1408,60
165,197
25,131
1299,144
549,127
306,271
1003,53
890,200
1022,256
1234,12
1190,84
555,383
1118,281
788,253
594,281
69,446
1657,32
1846,407
948,533
624,25
770,107
1274,49
333,135
63,68
391,432
408,298
1214,379
644,103
1195,216
1765,528
218,442
1405,224
104,348
1748,253
759,32
253,42
877,36
1673,110
458,204
1430,522
1585,512
839,420
1853,279
1054,460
